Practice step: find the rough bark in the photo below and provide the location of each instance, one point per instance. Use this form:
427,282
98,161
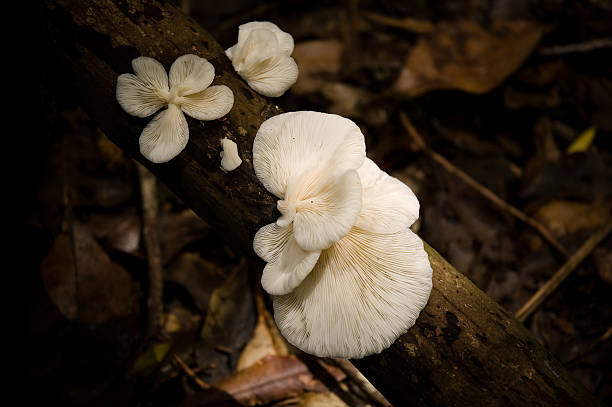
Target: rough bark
465,350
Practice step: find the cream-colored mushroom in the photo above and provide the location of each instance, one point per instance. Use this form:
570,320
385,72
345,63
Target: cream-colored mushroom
187,91
230,160
262,58
347,274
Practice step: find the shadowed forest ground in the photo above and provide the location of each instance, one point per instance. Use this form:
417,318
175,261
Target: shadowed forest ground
516,94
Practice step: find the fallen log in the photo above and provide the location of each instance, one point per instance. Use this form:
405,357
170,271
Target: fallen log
465,350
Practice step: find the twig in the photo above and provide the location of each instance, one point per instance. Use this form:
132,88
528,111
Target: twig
579,47
551,285
484,191
201,383
150,233
407,23
360,380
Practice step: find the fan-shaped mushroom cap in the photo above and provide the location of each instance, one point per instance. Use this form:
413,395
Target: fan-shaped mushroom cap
347,274
262,58
367,289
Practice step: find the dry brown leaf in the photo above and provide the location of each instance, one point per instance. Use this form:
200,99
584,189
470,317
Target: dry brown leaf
603,263
463,55
200,277
353,102
228,325
328,399
113,156
563,217
406,23
266,340
177,230
90,287
120,232
315,60
270,379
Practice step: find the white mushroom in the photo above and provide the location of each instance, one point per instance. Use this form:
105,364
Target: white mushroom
187,91
230,160
262,58
347,274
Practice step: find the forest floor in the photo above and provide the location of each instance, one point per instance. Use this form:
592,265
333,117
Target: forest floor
516,95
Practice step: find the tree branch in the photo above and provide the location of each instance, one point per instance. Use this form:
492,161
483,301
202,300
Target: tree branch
464,350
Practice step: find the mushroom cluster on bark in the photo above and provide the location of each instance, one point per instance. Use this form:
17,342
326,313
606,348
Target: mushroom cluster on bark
347,274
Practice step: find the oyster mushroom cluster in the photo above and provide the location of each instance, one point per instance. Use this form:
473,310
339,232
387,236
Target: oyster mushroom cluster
347,274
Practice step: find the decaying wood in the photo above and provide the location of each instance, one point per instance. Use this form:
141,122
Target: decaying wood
465,350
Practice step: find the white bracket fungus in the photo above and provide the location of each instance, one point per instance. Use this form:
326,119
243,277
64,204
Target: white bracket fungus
347,274
187,91
230,160
262,58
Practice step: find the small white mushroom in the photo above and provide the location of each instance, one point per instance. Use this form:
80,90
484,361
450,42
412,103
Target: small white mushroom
347,274
187,91
262,57
230,160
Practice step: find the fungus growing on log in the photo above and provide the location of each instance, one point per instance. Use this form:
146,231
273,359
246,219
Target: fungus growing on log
347,274
230,160
262,57
187,91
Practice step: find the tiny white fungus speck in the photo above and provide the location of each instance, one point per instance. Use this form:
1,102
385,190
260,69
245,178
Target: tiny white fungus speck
230,160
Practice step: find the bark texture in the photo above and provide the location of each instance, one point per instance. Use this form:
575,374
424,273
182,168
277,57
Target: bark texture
465,350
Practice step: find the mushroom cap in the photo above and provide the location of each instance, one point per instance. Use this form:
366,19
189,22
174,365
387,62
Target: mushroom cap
262,58
186,91
367,289
347,274
289,144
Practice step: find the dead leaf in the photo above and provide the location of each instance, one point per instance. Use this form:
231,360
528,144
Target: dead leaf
198,276
327,399
266,340
463,55
545,145
111,154
120,232
406,23
84,283
270,379
179,319
583,141
603,263
177,230
229,323
150,358
317,61
353,102
564,217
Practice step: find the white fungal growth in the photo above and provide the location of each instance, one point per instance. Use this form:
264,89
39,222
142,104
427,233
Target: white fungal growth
186,91
262,58
230,160
347,274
